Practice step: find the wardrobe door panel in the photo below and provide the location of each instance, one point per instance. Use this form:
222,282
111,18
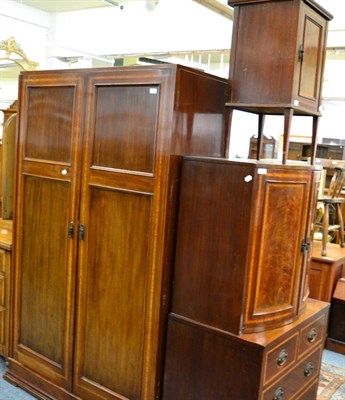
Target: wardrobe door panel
125,127
113,318
48,134
44,267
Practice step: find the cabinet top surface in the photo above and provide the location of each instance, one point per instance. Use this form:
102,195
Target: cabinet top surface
264,163
313,309
158,68
311,3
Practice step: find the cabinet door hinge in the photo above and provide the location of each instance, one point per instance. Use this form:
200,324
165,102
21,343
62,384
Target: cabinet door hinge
305,246
70,229
301,53
81,233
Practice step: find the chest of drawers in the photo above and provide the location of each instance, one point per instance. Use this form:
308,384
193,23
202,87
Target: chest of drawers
279,364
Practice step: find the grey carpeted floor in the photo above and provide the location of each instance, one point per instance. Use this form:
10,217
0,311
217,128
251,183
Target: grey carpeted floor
8,391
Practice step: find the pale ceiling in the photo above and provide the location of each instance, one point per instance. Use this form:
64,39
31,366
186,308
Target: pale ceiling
219,6
68,5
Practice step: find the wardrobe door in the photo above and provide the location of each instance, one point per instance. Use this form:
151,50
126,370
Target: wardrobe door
120,251
46,207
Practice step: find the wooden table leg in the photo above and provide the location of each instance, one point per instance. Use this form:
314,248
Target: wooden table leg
314,139
228,121
260,136
288,114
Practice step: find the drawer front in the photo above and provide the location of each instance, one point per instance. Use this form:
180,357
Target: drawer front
310,392
297,380
312,335
280,358
2,261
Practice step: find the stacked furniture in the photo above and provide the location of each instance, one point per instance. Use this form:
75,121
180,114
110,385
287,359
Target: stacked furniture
241,325
98,161
115,167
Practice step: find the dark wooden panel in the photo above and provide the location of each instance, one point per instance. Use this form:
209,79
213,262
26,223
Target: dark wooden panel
125,127
114,292
49,123
44,267
201,365
263,76
212,240
200,114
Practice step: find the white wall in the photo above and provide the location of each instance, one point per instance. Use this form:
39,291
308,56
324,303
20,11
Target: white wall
173,25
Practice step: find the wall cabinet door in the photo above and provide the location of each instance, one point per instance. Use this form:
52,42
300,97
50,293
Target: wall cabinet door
311,54
48,189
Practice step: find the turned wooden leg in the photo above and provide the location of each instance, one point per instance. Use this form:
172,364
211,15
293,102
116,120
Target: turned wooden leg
314,139
288,114
325,222
341,229
260,136
228,121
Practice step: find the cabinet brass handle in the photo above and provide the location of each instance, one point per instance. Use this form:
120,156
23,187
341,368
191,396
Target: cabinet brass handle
283,355
278,394
309,369
312,335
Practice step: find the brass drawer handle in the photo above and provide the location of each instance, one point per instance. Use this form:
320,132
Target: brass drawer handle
283,355
309,369
312,335
278,394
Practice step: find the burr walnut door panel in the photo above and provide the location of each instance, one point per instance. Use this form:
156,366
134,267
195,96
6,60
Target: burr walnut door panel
281,223
118,300
45,257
